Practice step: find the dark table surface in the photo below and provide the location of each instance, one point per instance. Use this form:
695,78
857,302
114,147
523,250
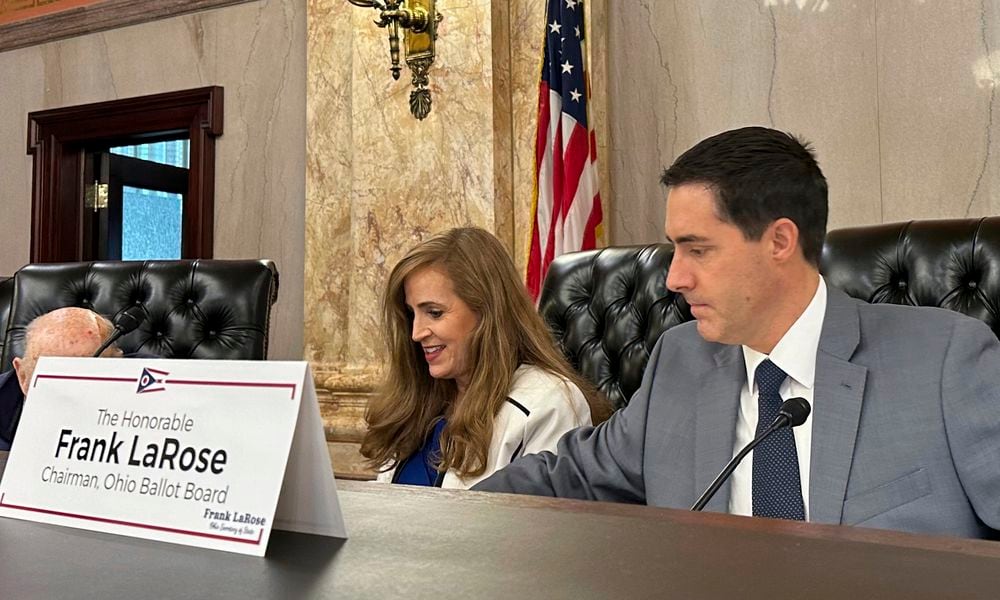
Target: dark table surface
419,543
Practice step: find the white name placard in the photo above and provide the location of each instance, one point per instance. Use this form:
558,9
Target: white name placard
193,452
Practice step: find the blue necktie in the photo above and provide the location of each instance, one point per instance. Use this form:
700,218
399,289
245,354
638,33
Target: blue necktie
777,491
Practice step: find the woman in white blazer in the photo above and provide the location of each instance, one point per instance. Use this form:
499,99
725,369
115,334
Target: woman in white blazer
473,379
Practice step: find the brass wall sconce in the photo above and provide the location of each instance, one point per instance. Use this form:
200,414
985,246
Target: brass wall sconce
419,21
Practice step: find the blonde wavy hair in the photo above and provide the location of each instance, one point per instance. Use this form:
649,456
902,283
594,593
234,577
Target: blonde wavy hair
510,333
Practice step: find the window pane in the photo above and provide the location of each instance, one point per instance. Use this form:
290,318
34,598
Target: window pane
173,153
151,224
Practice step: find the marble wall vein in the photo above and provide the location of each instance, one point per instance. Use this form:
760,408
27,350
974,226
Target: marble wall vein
898,97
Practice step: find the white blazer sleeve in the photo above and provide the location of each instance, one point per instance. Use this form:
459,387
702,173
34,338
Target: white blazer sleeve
552,406
385,476
541,408
565,409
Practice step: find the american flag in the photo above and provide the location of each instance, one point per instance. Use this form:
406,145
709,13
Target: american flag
566,208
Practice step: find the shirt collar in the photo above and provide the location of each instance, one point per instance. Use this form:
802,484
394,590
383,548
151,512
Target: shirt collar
795,352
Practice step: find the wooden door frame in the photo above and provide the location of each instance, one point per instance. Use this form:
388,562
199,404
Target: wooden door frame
56,142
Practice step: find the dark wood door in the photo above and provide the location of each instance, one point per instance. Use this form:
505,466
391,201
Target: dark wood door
59,139
107,176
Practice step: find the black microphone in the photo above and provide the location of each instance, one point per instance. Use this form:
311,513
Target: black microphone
793,412
126,322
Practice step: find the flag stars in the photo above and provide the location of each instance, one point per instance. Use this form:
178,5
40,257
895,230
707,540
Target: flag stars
577,30
571,4
575,95
567,67
555,27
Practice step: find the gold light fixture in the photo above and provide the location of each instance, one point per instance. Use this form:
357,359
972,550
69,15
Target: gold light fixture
419,21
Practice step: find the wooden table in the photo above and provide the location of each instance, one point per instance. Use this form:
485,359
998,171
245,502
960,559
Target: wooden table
419,543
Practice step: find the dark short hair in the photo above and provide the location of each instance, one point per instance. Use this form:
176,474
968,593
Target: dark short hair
759,175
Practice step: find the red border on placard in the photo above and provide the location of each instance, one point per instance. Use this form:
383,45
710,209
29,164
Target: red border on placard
258,384
58,513
81,378
3,502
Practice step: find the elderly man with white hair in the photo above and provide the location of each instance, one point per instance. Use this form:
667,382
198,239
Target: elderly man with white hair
62,332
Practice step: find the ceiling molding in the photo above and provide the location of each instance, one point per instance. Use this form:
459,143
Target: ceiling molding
99,16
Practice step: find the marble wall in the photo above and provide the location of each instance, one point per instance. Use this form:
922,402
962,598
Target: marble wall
379,181
257,52
899,98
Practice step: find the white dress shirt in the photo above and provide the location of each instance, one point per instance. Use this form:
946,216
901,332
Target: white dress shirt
795,354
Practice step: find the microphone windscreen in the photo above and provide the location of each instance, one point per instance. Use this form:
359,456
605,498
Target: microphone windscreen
129,319
796,409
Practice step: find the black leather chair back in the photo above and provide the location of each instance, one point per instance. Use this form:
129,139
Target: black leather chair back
606,308
6,298
952,263
218,309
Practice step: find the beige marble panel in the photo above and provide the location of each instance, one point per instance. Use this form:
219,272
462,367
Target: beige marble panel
382,181
415,178
348,464
501,100
939,69
256,51
527,18
681,70
328,179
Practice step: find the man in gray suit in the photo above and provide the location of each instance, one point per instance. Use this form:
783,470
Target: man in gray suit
905,428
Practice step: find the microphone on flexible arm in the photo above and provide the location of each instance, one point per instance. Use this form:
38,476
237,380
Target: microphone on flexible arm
793,412
126,322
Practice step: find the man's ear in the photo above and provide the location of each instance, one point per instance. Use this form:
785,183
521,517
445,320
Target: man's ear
22,374
784,237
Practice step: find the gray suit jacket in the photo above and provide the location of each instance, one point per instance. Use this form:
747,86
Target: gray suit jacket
906,431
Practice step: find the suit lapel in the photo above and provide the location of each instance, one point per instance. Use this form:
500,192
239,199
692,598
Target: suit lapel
837,396
715,427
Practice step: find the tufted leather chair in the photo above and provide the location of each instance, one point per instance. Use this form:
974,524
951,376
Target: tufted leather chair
217,309
608,307
953,264
6,297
